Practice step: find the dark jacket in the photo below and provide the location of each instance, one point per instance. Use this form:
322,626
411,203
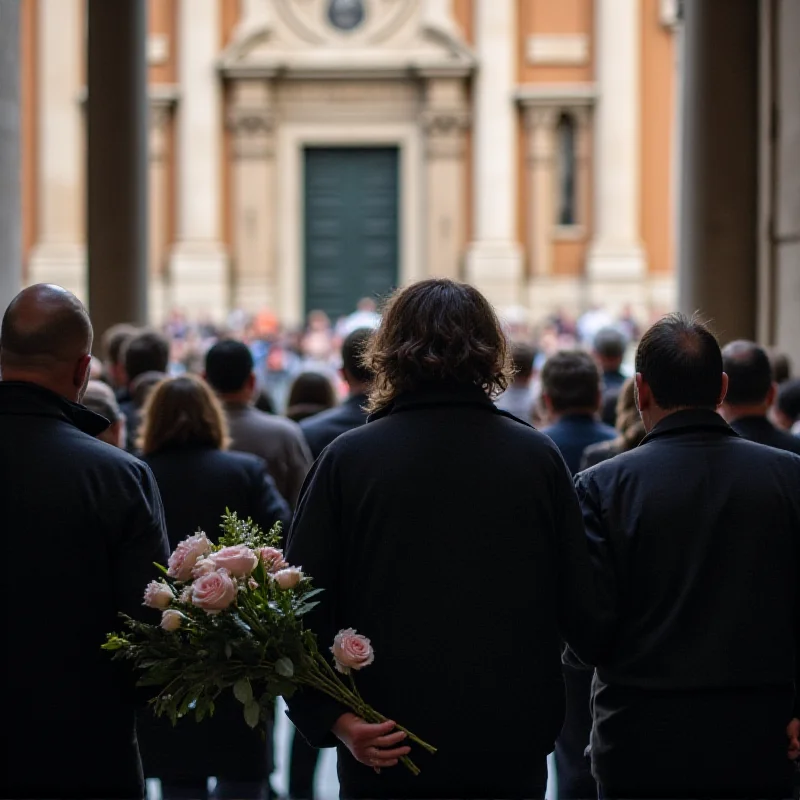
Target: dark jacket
321,429
82,526
197,485
463,559
695,537
573,433
596,453
761,430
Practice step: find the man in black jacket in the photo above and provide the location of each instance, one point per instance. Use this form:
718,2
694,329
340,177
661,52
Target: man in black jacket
695,537
751,393
82,526
321,429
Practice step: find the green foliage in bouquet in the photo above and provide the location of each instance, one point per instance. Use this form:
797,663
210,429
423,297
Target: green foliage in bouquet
232,619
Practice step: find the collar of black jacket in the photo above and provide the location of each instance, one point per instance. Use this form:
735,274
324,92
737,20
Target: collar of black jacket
437,394
691,418
29,400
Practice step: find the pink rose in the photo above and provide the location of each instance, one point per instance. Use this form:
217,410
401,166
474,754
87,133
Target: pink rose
214,592
204,565
272,558
239,560
171,619
182,561
157,595
351,651
288,578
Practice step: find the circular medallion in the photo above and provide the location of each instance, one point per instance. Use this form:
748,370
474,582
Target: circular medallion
346,15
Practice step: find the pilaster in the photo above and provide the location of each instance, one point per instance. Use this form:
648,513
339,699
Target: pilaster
444,121
251,120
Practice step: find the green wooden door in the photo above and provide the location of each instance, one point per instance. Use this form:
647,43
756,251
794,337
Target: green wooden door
351,226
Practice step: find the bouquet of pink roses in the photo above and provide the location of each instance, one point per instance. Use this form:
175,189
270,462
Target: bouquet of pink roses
232,618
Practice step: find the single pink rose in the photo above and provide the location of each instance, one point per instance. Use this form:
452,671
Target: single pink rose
272,558
157,595
204,565
214,592
288,578
351,651
171,620
239,560
182,561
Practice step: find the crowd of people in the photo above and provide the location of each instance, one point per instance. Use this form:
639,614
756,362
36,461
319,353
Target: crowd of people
448,529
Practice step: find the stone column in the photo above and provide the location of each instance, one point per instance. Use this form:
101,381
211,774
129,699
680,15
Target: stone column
251,121
116,144
494,259
540,131
616,256
444,121
10,209
199,262
161,114
59,255
719,191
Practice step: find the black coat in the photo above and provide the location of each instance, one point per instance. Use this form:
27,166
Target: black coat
695,536
449,533
82,526
761,430
197,484
321,429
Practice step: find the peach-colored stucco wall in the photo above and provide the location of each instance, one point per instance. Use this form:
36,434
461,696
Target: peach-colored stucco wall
657,125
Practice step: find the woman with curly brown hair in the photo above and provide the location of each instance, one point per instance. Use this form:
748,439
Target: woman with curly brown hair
449,533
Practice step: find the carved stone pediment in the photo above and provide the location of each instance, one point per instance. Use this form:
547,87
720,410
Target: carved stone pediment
346,38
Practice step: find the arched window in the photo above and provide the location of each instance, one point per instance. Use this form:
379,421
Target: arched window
566,208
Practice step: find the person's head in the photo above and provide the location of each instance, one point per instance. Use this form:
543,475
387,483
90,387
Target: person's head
786,410
751,390
357,376
99,397
609,349
46,339
522,357
570,384
229,371
310,393
437,331
182,412
145,351
781,366
629,423
678,366
113,346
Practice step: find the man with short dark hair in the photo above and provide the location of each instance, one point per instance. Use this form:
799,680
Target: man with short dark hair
229,371
113,348
145,356
571,395
609,351
321,429
695,537
518,399
751,393
82,526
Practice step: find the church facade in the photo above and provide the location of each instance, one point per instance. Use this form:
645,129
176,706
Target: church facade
307,153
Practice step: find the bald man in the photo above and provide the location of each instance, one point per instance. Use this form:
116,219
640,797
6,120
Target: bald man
82,524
